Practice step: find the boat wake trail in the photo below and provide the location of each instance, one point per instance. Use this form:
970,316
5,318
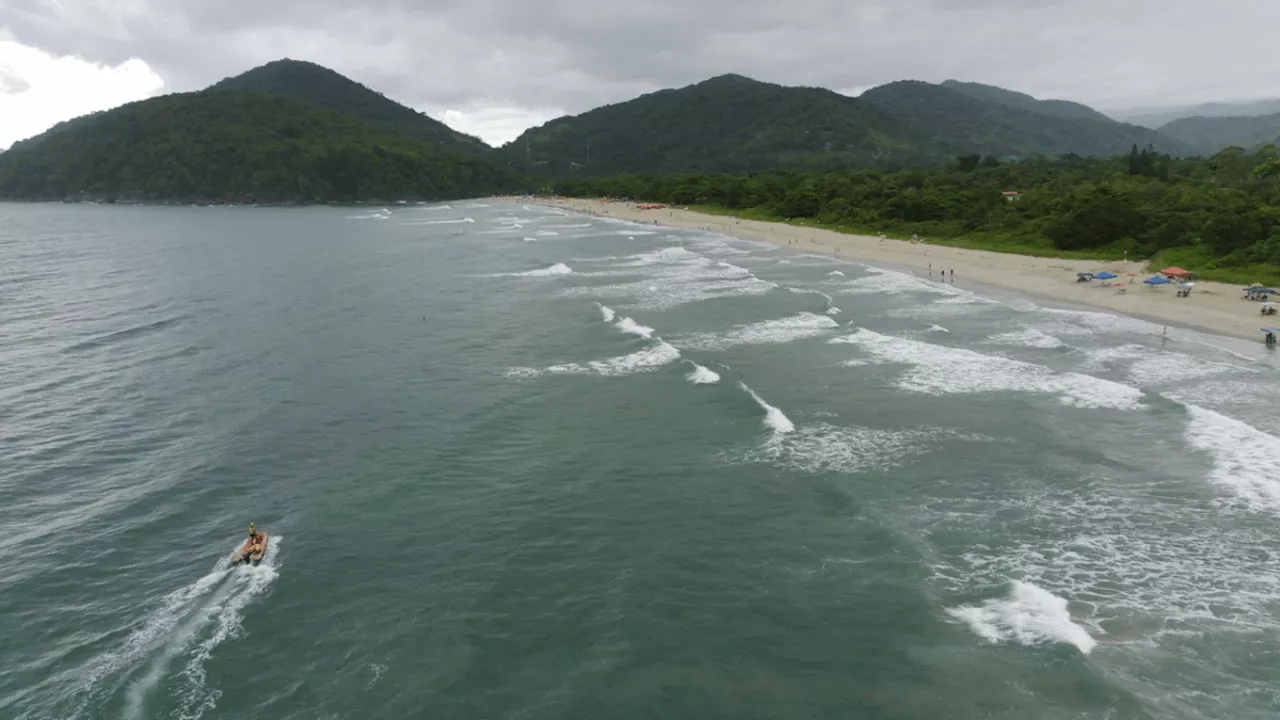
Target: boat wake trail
168,649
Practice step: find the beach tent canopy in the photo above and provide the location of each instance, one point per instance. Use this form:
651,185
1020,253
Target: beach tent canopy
1174,271
1261,291
1157,280
1104,275
1271,330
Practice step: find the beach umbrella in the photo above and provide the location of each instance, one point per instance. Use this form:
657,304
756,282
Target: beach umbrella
1255,284
1157,280
1175,271
1104,275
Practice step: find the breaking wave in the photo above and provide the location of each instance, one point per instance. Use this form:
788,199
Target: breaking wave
795,327
1028,615
938,369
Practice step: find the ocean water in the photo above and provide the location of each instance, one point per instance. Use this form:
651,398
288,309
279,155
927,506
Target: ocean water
522,463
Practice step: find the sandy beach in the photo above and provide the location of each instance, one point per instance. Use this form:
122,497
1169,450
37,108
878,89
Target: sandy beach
1214,308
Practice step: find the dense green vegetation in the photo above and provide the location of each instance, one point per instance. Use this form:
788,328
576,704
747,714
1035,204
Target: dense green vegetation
236,147
735,124
319,86
1208,135
1219,216
728,123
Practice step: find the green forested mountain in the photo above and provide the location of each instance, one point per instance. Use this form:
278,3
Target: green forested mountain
727,123
1211,134
1219,216
966,124
229,146
1022,101
321,87
732,124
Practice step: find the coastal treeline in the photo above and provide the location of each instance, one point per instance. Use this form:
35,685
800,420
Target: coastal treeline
1219,215
238,147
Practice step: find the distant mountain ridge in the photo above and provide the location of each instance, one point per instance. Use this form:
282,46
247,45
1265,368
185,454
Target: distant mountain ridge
1155,118
967,124
732,123
1211,134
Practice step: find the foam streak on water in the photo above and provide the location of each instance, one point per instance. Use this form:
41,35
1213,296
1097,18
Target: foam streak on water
774,419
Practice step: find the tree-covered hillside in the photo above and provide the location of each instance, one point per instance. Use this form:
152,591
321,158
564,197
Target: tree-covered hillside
237,147
732,123
321,87
727,123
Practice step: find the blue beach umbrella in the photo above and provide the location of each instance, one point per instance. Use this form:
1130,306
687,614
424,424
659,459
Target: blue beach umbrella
1157,280
1104,275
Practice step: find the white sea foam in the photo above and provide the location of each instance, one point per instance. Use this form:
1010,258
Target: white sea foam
1141,565
1103,357
1089,322
569,226
546,233
833,310
1028,337
774,419
938,369
892,282
551,271
606,312
824,448
529,239
455,221
674,276
701,375
646,360
631,327
796,327
1158,367
937,328
1244,458
836,273
1028,615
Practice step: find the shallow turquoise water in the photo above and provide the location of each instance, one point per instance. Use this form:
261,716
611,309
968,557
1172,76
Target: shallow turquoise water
501,481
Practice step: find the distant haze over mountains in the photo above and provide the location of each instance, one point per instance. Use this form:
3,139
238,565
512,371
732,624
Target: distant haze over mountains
1155,117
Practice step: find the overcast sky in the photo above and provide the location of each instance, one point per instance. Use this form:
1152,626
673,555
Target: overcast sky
495,67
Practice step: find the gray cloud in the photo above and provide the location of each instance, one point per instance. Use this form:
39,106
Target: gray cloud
576,54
